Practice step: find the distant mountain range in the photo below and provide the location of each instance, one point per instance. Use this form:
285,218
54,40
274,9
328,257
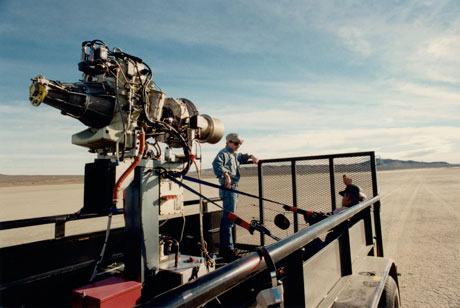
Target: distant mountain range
11,180
391,164
382,164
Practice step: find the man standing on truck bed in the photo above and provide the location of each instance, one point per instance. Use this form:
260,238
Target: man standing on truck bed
226,167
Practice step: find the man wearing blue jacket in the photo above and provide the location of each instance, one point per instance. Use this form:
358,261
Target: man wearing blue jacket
226,167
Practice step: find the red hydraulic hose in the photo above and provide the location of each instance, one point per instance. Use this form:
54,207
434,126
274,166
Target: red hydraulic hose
240,222
116,189
297,210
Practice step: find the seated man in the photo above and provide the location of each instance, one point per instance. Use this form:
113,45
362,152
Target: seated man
352,195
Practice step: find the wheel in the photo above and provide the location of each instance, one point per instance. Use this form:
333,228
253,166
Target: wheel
390,296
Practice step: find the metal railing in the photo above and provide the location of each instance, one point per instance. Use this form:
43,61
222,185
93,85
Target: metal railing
310,182
60,221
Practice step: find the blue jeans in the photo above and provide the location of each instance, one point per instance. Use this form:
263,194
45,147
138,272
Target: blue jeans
229,200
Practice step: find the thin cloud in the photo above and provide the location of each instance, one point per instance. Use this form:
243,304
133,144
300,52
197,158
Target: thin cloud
436,143
354,39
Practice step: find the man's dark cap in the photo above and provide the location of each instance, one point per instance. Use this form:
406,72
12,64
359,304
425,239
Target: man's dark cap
354,192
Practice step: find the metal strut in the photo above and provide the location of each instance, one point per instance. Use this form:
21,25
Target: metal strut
253,225
286,207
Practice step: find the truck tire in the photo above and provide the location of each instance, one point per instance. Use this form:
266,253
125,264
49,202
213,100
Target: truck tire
390,296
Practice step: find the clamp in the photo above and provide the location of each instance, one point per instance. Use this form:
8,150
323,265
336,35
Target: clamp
274,295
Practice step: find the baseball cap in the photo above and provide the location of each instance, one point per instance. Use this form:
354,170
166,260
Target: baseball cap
234,137
354,192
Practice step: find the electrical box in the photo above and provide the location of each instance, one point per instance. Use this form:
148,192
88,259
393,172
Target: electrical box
171,198
188,268
99,184
108,293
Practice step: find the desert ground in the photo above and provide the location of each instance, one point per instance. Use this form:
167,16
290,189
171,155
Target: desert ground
420,223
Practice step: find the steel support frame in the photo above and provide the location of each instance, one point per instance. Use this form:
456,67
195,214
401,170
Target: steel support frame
142,226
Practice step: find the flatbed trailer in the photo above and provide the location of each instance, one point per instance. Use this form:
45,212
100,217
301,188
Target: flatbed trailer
165,254
347,269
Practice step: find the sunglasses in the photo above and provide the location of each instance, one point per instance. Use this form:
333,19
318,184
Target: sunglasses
235,142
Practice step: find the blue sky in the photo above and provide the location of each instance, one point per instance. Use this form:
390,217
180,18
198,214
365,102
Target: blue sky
294,78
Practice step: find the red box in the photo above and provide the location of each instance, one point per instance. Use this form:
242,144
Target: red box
111,292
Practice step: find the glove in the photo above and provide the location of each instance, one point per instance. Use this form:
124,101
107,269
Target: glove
315,217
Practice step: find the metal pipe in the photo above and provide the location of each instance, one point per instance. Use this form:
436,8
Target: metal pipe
332,182
28,222
377,222
294,194
316,157
261,201
218,282
117,188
